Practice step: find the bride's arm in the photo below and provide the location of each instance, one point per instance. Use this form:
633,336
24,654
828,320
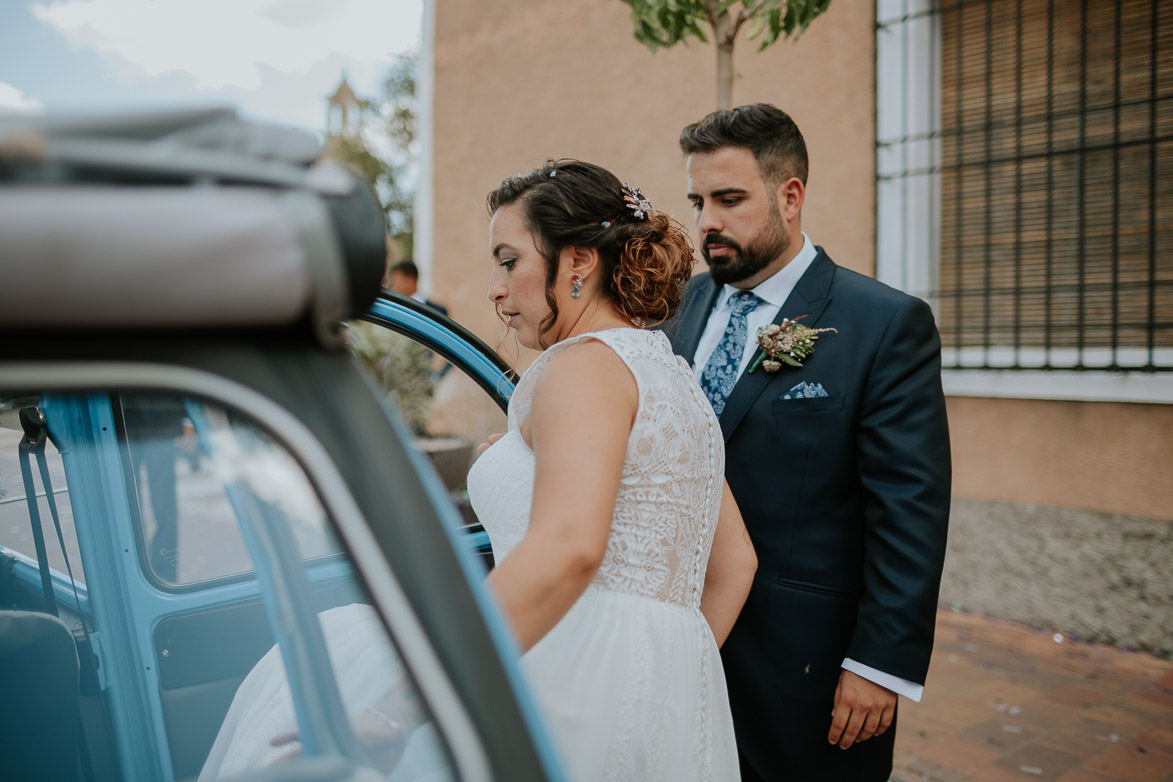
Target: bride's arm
732,563
584,404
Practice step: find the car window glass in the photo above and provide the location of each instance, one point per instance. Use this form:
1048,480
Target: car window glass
448,412
282,522
241,671
187,526
16,530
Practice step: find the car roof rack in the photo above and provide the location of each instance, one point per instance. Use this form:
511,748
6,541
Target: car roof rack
185,219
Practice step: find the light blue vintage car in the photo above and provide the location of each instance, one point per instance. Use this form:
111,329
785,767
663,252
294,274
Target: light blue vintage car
199,484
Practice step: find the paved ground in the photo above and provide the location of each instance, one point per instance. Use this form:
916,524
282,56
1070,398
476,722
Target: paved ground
1007,703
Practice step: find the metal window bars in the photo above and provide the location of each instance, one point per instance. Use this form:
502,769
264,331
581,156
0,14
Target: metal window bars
1053,172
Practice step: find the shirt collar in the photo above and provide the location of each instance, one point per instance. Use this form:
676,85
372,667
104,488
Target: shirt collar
775,289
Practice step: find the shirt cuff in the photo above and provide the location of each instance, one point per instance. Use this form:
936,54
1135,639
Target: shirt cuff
910,690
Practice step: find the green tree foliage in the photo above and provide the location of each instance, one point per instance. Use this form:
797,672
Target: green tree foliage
660,24
385,155
400,366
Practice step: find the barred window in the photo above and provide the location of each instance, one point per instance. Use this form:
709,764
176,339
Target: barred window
1025,177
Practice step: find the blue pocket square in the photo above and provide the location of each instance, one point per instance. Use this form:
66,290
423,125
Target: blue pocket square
805,390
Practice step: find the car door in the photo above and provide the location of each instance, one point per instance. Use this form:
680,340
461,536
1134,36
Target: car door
177,630
451,389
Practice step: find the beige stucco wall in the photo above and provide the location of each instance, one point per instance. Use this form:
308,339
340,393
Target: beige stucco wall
517,82
1099,456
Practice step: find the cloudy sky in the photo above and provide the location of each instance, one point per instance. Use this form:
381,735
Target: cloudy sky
272,59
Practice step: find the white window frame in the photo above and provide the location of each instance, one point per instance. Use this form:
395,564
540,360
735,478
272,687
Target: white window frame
908,226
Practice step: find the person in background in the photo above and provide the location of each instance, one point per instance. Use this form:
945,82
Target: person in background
404,278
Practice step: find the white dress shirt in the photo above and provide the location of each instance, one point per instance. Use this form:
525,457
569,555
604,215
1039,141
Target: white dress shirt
774,292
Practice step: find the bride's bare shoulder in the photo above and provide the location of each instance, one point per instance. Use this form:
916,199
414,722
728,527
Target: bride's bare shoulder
588,368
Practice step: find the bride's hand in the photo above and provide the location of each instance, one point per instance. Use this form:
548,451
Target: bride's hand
492,439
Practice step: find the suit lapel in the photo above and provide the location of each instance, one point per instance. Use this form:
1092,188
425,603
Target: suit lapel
809,297
693,324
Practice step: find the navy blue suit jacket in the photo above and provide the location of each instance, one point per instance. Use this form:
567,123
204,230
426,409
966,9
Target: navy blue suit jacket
846,499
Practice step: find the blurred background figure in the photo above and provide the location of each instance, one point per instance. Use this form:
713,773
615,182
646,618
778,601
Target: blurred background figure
404,278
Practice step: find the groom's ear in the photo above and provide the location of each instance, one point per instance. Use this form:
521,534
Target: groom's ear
790,196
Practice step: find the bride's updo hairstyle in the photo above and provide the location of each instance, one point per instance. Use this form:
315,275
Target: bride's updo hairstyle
645,256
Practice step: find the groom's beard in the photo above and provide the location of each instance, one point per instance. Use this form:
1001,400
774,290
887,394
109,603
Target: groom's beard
770,243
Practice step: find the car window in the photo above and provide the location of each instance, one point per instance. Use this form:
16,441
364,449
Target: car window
187,529
237,674
16,526
448,411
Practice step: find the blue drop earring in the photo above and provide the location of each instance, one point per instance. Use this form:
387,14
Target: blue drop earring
575,286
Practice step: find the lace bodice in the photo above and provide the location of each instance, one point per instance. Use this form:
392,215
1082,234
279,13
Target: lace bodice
670,490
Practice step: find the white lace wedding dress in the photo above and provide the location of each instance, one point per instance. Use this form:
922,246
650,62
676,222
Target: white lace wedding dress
630,680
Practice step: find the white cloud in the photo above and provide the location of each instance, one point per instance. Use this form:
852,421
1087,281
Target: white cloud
228,44
14,100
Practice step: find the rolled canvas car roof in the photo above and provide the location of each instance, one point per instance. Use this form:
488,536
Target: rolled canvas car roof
180,220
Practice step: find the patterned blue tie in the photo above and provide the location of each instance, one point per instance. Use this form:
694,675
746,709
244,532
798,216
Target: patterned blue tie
721,372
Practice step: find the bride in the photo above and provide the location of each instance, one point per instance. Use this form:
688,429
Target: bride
622,558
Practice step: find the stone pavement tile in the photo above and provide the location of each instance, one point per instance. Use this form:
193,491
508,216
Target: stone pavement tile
914,733
1034,676
1045,713
995,774
1083,775
1088,738
909,767
1001,735
997,691
950,711
1125,719
953,675
1108,680
1001,631
1153,700
983,658
1074,658
1159,740
1000,654
1078,697
1143,663
957,754
1038,761
1131,761
1043,644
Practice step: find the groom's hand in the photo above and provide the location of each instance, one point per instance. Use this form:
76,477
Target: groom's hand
862,709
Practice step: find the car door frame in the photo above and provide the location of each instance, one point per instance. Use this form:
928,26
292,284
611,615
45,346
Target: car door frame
466,744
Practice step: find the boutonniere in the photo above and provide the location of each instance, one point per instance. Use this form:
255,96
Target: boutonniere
788,342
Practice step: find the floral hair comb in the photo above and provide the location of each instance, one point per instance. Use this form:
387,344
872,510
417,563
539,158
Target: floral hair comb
640,206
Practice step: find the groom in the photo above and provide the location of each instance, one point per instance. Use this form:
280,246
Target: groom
840,466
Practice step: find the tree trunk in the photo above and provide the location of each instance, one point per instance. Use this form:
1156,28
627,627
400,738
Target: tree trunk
724,33
724,75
